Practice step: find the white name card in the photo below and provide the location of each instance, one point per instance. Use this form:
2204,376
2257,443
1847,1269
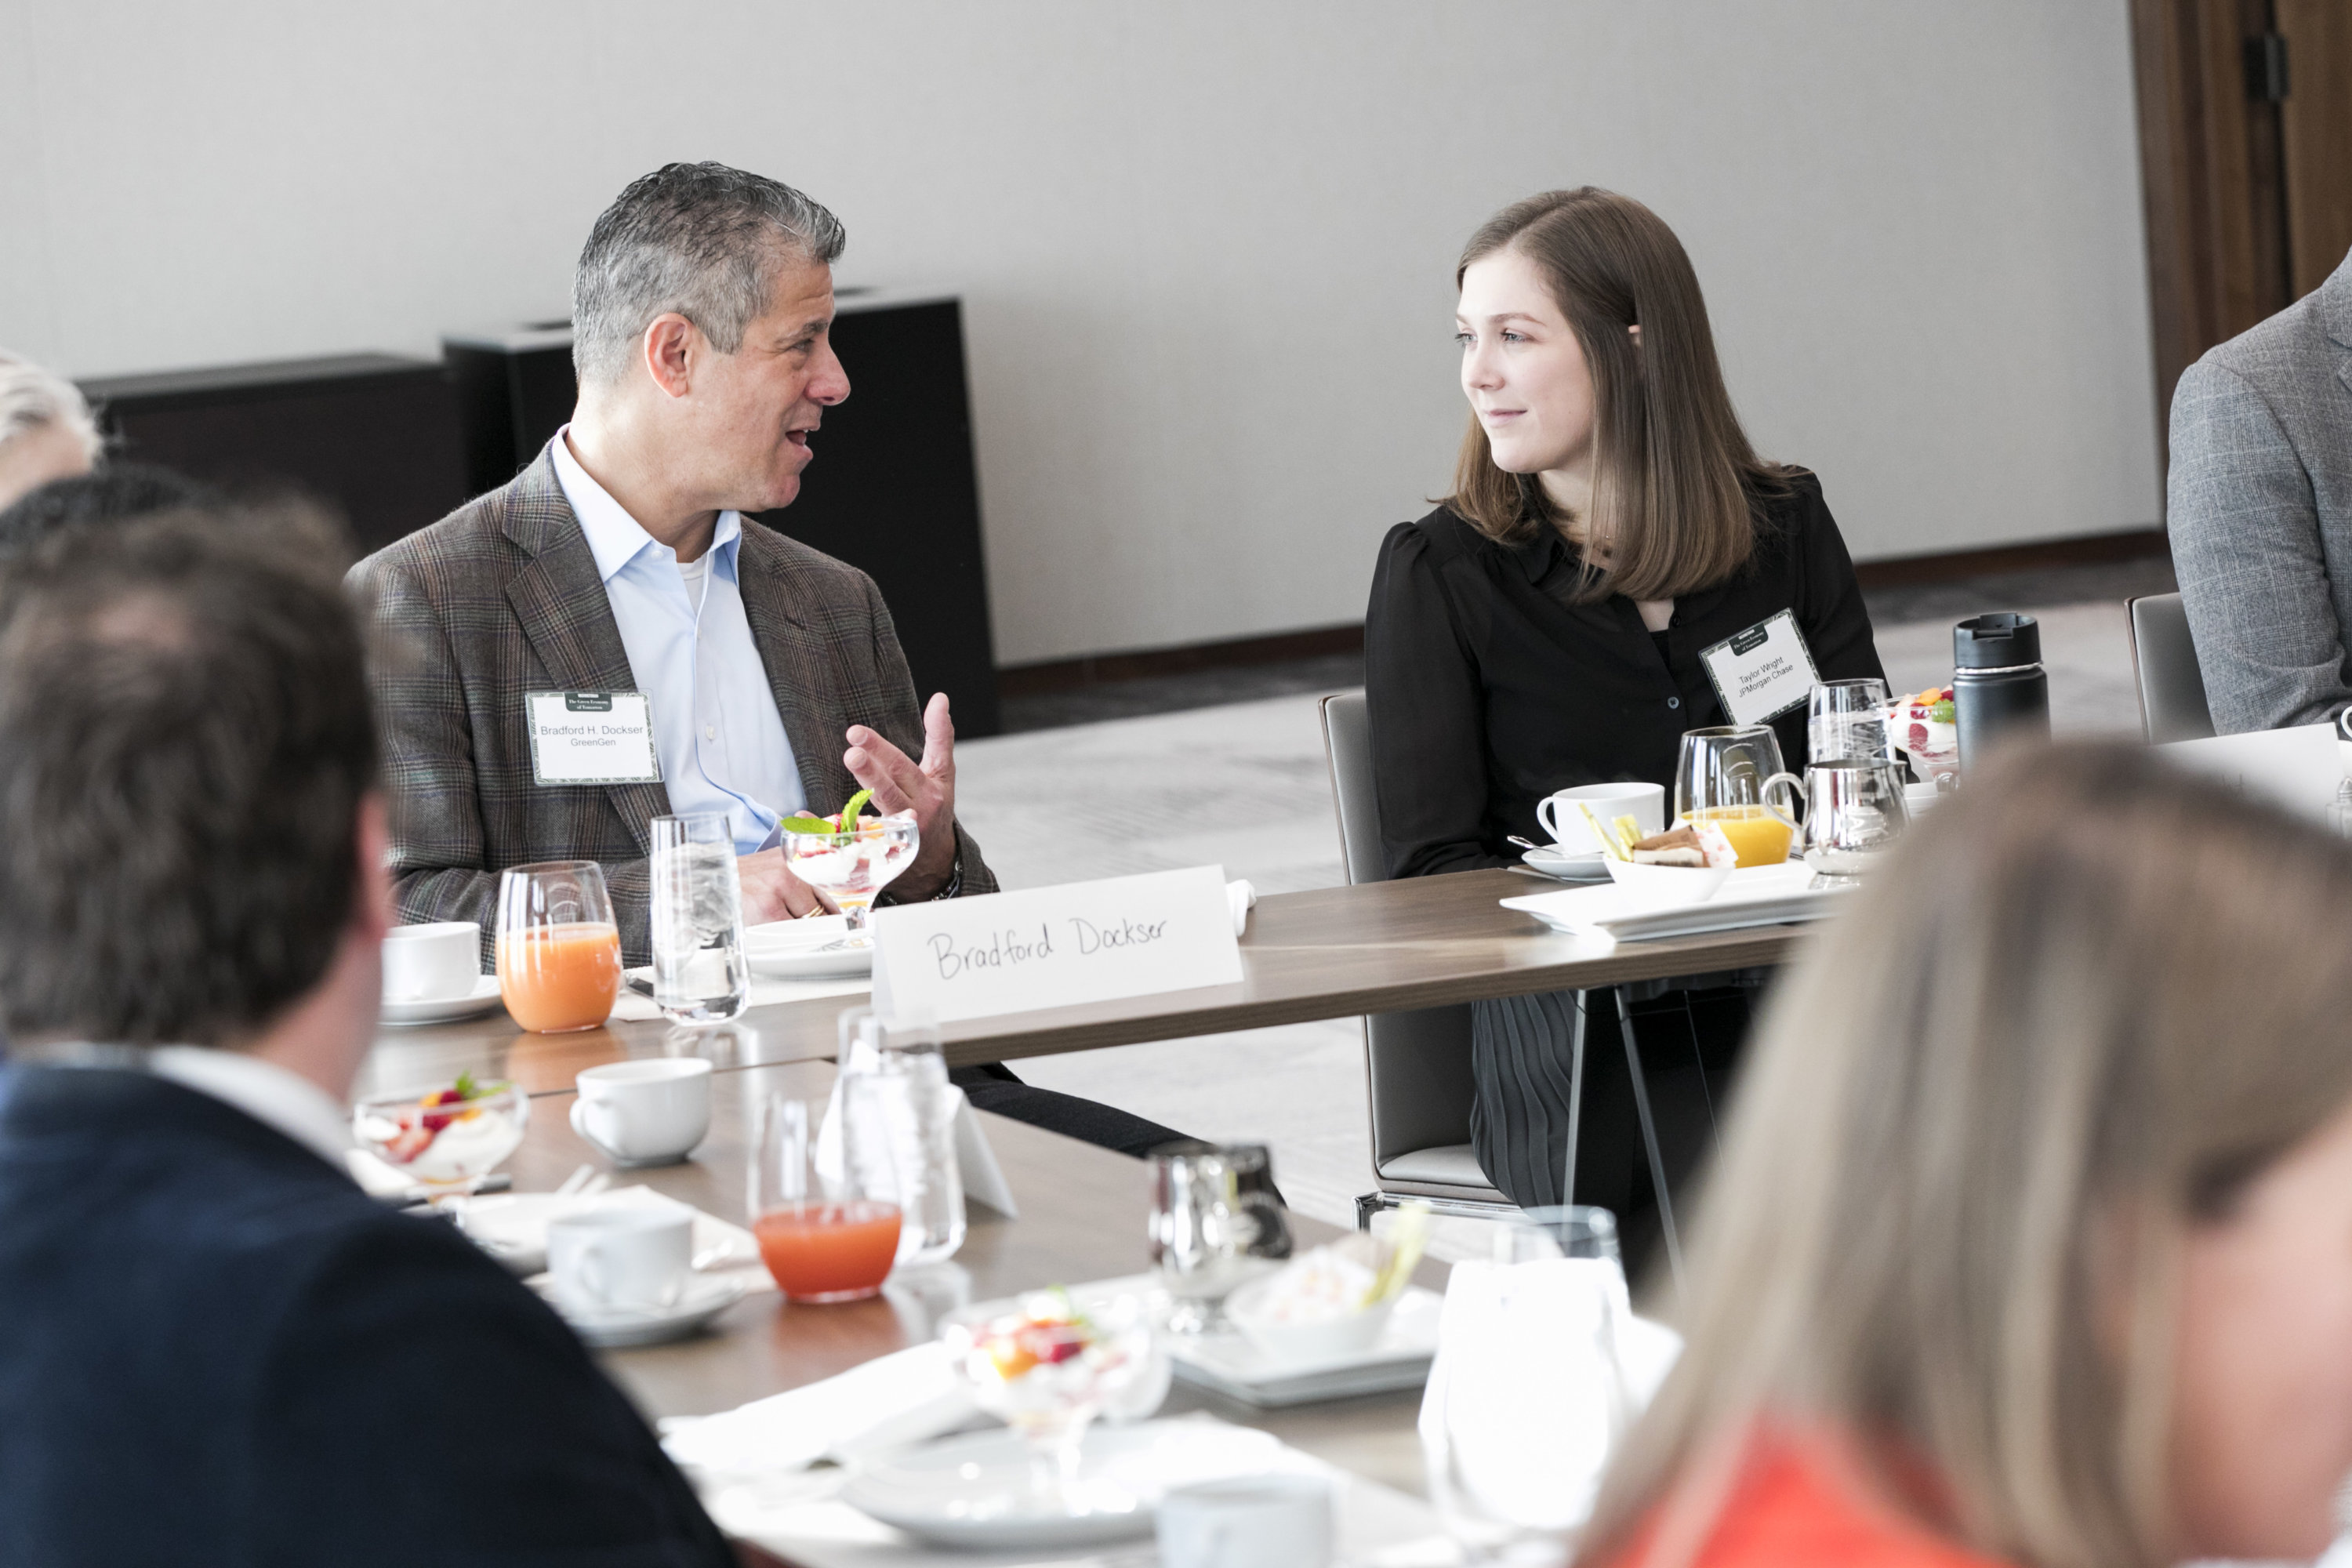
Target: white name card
1057,947
2299,769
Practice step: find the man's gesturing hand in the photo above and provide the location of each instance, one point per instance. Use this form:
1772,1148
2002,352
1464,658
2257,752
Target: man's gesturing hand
899,784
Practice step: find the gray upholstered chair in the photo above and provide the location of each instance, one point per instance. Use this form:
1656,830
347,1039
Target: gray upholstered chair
2163,666
1417,1064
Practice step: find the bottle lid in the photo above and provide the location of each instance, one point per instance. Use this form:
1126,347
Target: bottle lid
1996,642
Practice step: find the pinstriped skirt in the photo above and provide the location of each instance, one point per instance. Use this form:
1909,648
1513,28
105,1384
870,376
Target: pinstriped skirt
1522,1058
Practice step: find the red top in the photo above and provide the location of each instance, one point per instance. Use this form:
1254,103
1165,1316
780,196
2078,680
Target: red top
1796,1504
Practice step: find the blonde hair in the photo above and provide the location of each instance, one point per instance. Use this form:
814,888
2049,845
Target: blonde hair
2085,1004
1674,481
32,398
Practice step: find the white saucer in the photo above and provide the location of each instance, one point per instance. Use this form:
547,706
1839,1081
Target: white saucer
974,1491
1554,862
482,999
703,1297
803,950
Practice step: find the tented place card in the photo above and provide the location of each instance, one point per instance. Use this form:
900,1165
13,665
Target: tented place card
1057,947
2299,769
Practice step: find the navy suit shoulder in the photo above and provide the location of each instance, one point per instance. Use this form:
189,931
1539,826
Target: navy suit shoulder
221,1352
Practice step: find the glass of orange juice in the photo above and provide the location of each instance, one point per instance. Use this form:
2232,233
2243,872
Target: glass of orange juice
820,1233
1719,777
559,946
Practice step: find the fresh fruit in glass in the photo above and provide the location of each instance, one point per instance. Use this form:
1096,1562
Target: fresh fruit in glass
850,858
446,1139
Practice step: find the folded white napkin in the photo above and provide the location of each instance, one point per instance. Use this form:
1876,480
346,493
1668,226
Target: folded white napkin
1540,1370
1243,898
512,1227
891,1400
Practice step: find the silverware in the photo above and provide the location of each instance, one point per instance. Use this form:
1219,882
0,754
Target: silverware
416,1197
1526,843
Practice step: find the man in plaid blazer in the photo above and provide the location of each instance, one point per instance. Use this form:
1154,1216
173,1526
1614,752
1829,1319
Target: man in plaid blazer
619,560
503,597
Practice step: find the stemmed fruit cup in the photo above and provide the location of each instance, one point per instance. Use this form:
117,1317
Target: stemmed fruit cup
448,1139
851,866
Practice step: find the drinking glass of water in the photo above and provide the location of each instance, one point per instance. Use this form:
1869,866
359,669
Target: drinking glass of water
700,974
1846,721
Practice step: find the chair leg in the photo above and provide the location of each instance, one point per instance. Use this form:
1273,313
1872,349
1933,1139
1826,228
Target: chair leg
1649,1136
1698,1060
1367,1206
1575,1100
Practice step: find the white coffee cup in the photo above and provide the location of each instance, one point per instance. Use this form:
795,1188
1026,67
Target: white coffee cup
436,961
649,1112
621,1259
1248,1521
1644,803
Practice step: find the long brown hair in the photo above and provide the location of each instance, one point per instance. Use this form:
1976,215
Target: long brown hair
1674,481
2085,1004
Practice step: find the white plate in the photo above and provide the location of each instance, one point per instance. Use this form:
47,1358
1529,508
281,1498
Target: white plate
1232,1366
1751,896
1568,868
974,1491
483,998
802,950
703,1297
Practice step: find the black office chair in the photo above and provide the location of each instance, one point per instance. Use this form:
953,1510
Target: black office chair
1417,1064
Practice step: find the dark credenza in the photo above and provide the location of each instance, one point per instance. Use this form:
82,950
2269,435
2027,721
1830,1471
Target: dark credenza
375,436
893,489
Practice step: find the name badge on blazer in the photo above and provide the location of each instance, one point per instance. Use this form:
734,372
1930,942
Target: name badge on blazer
1762,672
590,738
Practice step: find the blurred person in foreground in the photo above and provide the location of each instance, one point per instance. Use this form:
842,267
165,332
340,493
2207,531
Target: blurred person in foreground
218,1350
2032,1239
46,429
113,492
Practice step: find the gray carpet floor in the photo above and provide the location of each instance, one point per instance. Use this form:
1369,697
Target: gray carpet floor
1244,785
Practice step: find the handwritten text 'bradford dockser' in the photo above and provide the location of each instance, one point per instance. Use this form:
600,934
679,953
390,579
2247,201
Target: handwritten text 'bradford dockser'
1010,949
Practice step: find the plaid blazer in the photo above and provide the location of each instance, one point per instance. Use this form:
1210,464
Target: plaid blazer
502,597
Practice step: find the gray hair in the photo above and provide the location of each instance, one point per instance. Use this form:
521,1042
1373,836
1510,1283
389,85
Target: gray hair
700,239
32,398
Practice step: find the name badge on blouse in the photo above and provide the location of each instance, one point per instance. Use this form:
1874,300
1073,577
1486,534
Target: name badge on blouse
590,738
1762,672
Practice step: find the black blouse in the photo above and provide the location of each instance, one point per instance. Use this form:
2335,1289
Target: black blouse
1487,690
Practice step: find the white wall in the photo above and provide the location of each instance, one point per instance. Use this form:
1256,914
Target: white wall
1206,249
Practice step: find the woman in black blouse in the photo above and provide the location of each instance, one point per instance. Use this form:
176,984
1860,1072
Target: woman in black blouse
1542,628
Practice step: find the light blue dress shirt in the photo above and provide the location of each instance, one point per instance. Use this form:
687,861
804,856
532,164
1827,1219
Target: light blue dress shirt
722,742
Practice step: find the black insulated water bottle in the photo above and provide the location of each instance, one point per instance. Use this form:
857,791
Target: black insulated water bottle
1999,690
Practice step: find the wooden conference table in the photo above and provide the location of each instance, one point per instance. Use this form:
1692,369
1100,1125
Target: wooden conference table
1378,947
1082,1218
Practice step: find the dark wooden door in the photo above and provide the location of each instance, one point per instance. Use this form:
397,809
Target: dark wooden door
2246,159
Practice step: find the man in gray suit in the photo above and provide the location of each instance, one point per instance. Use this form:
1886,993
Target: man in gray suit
2260,507
619,561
